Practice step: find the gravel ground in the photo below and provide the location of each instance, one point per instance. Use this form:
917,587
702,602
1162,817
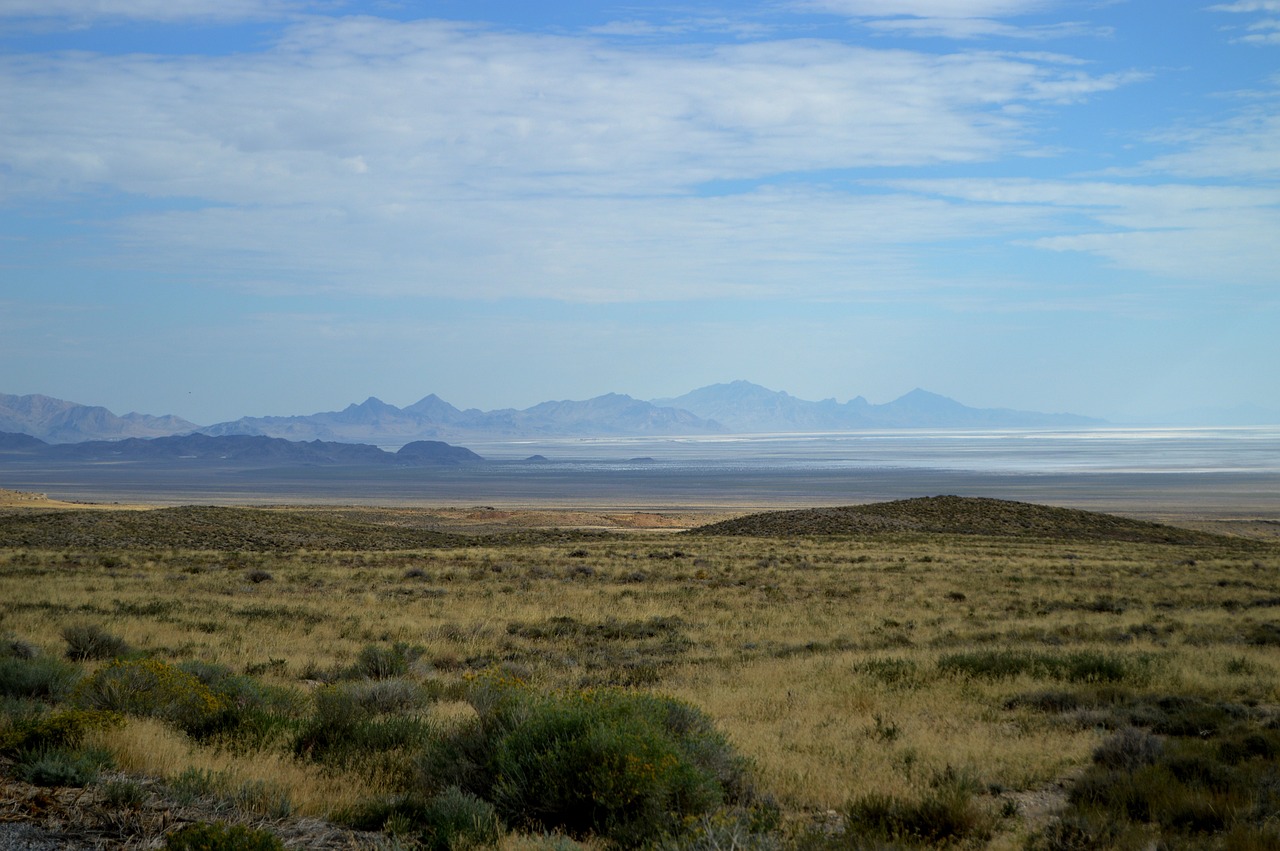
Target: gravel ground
28,837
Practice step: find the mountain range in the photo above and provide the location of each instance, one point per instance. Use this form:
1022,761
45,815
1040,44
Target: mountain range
737,407
239,449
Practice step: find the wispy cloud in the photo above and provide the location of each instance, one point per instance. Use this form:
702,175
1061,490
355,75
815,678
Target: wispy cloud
977,28
1180,231
466,161
955,19
80,12
1265,31
929,8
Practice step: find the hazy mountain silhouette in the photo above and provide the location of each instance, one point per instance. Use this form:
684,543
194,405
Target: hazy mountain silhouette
433,418
56,421
745,407
738,406
237,450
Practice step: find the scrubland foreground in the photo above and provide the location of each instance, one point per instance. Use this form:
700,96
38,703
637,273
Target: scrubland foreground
931,673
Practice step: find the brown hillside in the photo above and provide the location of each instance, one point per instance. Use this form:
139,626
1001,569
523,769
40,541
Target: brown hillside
956,515
207,528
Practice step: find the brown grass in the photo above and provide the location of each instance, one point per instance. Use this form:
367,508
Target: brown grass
817,655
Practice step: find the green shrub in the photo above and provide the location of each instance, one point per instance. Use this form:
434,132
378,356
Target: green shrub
123,794
900,673
345,731
378,662
1188,791
155,689
626,766
220,837
195,783
251,714
16,648
61,728
451,819
62,766
1084,666
86,642
43,677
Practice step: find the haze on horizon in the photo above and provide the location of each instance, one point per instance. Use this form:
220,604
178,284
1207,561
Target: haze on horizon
220,208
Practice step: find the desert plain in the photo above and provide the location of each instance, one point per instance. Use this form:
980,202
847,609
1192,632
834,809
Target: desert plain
964,672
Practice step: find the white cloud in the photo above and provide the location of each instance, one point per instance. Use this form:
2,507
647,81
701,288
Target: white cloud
1265,31
929,8
436,110
83,11
371,156
1248,6
801,244
1222,234
974,28
954,19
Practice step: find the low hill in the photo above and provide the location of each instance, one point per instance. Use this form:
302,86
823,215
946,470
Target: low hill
209,528
233,450
956,515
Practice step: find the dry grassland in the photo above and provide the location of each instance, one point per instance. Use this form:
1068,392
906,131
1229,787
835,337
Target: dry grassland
830,662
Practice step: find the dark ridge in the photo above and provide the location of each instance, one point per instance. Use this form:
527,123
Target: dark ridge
956,515
210,528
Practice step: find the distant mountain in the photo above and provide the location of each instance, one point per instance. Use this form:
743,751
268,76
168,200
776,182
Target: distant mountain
738,406
236,450
745,407
56,421
432,418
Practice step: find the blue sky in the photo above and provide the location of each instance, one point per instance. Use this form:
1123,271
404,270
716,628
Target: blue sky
218,208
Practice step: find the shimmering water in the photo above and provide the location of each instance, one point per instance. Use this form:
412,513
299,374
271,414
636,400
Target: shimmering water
1106,450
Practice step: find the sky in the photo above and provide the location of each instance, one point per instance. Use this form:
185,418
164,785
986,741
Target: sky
221,208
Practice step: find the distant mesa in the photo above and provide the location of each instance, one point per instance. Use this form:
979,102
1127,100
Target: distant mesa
436,452
537,459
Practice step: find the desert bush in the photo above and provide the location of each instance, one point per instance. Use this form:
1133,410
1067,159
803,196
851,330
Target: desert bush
741,829
379,662
155,689
60,728
123,794
945,815
62,766
87,642
221,837
900,673
16,648
1129,750
251,713
194,783
1084,666
629,767
1188,791
451,819
343,730
1178,715
43,677
382,697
